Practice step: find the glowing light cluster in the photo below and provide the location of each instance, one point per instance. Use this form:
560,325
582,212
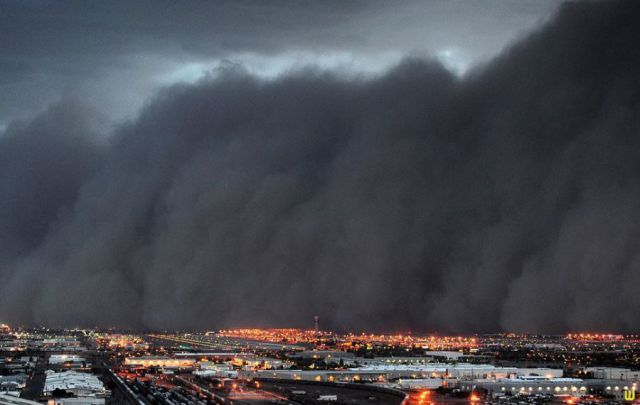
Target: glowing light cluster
426,342
605,337
277,335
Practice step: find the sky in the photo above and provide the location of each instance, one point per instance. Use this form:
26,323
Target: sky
114,55
447,166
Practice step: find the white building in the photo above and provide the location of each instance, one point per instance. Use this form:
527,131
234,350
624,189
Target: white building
6,399
459,371
56,359
528,385
420,383
159,361
379,361
388,372
79,384
211,369
217,373
13,383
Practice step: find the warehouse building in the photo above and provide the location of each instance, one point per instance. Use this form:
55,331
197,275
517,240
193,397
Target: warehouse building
75,383
159,361
6,399
391,372
525,385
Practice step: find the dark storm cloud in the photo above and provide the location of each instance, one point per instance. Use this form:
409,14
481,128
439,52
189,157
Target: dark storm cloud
115,54
503,200
43,164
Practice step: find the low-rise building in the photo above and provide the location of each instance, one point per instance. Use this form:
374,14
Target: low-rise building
13,383
420,383
255,362
59,359
332,357
528,385
392,372
160,361
211,369
75,383
6,399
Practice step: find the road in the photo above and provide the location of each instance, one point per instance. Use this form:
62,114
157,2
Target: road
35,383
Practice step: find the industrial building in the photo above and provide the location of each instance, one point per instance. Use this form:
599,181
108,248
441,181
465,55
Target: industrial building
315,375
6,399
420,383
391,372
73,382
552,386
59,359
12,384
459,357
256,362
159,361
211,369
381,361
59,344
527,385
459,371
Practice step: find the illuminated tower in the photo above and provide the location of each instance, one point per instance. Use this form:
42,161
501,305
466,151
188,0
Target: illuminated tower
316,319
